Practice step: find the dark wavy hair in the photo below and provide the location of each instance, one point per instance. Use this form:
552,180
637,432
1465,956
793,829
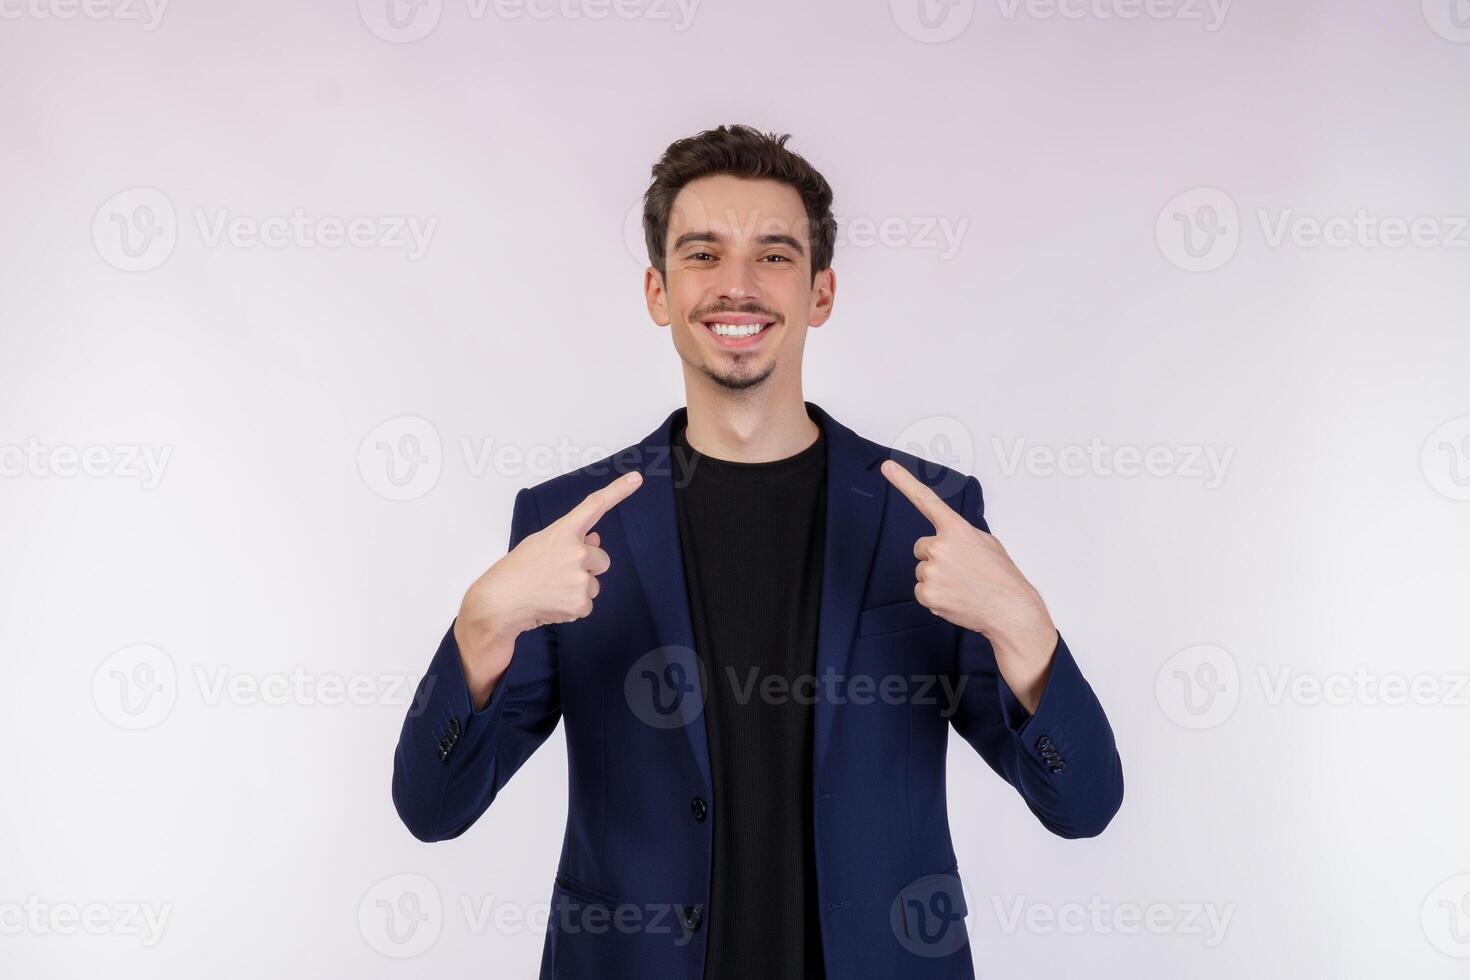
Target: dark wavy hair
740,151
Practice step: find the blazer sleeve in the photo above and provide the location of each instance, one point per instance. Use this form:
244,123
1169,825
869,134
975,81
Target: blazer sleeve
451,760
1062,760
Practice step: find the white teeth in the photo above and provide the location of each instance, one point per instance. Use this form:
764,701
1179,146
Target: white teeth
735,329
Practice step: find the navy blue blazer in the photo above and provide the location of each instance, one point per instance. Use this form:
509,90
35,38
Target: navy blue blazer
631,888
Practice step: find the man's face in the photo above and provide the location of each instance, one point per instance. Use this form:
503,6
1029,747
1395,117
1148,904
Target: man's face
738,291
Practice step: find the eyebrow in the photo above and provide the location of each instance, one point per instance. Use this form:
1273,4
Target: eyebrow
714,237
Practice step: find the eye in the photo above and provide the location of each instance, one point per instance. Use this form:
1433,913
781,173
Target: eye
783,258
700,255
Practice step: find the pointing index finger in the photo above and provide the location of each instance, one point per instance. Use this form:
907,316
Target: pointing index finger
929,503
599,502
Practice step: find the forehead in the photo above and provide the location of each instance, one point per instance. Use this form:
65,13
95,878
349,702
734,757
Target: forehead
738,207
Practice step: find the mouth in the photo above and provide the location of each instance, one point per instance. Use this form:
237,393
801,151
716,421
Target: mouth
737,331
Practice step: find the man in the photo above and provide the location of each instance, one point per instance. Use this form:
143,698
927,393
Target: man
758,627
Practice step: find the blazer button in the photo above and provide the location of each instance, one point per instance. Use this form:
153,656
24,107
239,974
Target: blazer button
1044,742
692,918
442,753
454,727
700,808
1060,767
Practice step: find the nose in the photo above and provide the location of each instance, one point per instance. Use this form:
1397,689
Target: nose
737,283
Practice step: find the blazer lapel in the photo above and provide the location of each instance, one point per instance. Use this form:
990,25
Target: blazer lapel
652,528
855,494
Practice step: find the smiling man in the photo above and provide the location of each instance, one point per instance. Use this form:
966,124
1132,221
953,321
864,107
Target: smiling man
758,627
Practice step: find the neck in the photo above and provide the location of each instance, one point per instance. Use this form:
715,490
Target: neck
752,426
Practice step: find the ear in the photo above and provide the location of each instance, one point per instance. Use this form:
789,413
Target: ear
656,297
824,293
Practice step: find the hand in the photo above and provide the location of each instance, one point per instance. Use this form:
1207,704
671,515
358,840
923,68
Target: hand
965,576
550,577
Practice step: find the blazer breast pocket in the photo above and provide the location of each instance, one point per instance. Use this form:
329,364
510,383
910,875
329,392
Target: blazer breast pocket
895,616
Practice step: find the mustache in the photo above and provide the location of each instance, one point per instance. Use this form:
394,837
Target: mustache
758,310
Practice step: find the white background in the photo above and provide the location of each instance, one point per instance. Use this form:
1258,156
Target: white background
1060,140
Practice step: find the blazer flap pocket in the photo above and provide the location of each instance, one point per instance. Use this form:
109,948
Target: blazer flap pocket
929,914
585,893
894,617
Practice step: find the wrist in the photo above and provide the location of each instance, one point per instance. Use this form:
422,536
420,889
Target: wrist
1034,643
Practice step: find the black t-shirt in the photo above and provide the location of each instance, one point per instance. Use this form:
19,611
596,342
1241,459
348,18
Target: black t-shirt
752,536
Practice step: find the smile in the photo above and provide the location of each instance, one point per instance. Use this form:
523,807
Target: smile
737,331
